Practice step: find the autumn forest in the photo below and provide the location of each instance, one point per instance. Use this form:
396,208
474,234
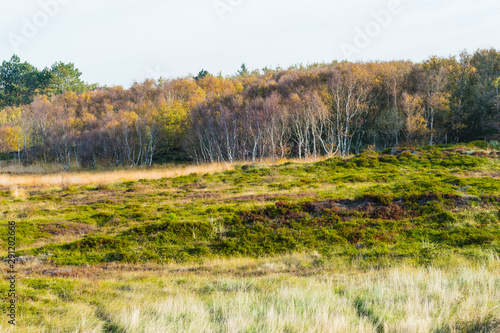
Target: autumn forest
52,116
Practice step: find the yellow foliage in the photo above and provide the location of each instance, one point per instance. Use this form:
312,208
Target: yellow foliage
9,138
216,87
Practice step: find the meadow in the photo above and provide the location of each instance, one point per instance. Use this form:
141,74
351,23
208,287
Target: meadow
406,240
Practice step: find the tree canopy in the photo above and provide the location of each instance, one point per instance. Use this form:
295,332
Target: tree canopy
20,81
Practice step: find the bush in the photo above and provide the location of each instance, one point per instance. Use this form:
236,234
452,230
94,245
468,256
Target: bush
379,198
407,156
466,236
122,256
102,218
97,243
495,145
389,159
479,144
365,160
254,168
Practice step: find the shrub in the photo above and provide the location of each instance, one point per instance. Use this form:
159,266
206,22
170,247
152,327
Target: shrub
479,144
102,218
255,168
389,159
97,243
495,145
407,156
466,236
380,198
122,256
366,160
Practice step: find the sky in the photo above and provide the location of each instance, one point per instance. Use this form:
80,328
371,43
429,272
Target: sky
118,42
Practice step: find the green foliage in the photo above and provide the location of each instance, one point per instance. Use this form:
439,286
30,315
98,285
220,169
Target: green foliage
20,81
365,161
201,75
66,77
254,168
414,206
243,71
479,144
389,159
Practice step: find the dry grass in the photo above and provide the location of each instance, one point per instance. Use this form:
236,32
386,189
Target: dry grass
105,177
214,298
45,176
395,300
37,168
481,174
17,192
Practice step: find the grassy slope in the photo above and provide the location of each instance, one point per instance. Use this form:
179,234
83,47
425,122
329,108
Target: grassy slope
436,207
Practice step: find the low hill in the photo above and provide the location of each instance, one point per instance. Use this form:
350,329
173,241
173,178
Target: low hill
405,205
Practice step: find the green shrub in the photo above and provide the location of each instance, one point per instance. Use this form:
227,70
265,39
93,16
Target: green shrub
102,218
122,256
96,243
380,198
479,144
466,236
494,145
407,156
389,159
365,161
255,168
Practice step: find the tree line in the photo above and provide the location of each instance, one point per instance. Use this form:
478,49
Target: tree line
317,110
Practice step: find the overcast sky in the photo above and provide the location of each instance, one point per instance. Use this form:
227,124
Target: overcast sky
117,42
